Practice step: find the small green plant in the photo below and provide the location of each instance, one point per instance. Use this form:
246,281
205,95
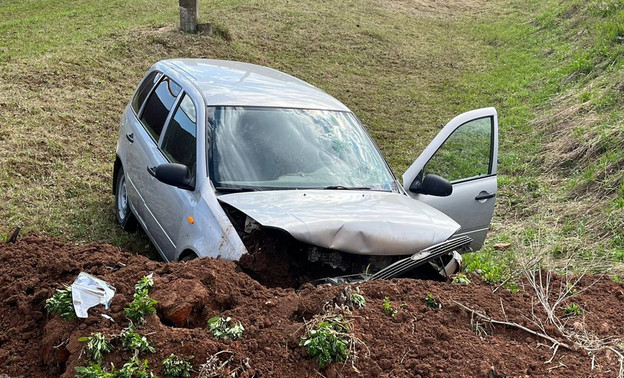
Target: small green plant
461,279
328,341
493,267
133,341
97,346
430,301
358,300
61,303
387,307
142,305
175,366
616,279
144,284
403,305
93,371
222,330
139,308
135,368
572,310
570,289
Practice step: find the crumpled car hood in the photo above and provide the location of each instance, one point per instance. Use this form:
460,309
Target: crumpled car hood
361,222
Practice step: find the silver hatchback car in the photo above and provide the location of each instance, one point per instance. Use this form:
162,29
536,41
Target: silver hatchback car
230,160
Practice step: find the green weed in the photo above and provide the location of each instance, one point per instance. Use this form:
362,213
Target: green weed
97,346
61,303
133,341
142,305
135,368
358,300
175,366
571,289
461,279
328,341
489,265
572,309
222,329
431,302
94,371
387,307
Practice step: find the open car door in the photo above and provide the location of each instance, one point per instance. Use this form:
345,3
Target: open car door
465,153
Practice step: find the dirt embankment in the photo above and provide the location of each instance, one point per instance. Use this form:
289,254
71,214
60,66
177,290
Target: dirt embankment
418,341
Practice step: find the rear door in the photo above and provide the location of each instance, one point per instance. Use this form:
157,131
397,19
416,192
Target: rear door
465,152
171,206
147,132
134,130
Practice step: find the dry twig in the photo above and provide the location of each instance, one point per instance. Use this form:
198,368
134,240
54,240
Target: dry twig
515,325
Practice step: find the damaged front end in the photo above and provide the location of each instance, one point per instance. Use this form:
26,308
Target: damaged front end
293,237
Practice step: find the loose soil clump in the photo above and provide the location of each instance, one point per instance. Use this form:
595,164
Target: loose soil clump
417,341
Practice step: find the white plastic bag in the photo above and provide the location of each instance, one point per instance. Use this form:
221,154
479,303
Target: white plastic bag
88,291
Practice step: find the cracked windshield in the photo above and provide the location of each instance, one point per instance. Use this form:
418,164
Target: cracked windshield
273,148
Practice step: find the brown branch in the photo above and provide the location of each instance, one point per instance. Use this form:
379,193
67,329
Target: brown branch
518,326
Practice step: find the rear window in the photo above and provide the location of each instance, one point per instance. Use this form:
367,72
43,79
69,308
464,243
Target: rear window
144,89
158,106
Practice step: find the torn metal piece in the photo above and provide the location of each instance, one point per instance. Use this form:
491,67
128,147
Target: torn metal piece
88,291
453,266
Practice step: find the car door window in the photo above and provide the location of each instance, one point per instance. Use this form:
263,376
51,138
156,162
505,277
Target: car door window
144,89
466,153
158,105
179,141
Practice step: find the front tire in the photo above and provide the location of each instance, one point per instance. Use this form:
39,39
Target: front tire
124,215
187,256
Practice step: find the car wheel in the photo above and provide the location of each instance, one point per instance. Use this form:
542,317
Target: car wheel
125,218
188,257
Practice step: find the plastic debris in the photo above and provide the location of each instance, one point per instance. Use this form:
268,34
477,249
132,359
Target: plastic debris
88,291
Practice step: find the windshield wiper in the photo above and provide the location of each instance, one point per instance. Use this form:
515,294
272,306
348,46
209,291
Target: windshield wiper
227,189
340,187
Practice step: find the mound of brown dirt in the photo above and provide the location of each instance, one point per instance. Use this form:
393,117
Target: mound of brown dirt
418,341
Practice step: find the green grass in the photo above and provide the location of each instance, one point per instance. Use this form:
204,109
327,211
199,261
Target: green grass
553,69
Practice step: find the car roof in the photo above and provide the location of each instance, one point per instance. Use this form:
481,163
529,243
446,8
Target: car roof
228,83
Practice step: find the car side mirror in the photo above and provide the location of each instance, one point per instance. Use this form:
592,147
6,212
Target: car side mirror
433,185
173,174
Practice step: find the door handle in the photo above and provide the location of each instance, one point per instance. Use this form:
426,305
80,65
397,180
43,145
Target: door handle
485,196
130,137
151,171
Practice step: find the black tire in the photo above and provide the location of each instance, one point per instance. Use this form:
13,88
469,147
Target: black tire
123,212
188,257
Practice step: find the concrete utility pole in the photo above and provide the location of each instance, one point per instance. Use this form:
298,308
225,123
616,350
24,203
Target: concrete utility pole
189,15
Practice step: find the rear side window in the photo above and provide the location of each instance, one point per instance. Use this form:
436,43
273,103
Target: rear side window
144,89
179,141
158,105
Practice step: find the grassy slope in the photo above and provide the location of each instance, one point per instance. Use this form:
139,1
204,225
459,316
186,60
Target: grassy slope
563,155
551,68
